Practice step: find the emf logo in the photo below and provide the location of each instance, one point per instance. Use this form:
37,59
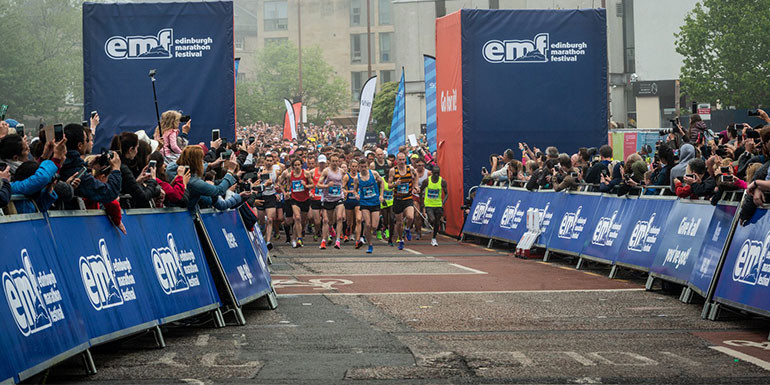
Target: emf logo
99,279
517,51
749,264
141,47
25,298
168,267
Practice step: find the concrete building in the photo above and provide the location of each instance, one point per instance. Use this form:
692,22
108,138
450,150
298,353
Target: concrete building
640,45
338,27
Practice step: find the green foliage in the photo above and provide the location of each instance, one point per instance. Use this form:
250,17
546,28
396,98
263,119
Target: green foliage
41,64
277,77
382,109
726,51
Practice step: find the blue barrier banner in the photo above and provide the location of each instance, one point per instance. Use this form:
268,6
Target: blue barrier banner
685,229
711,250
570,230
548,202
109,273
641,244
191,46
607,228
511,223
258,241
746,273
479,221
246,272
38,317
181,279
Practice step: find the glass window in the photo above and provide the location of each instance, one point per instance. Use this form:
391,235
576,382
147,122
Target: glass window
276,15
358,54
385,12
357,10
275,40
357,80
387,76
240,42
386,41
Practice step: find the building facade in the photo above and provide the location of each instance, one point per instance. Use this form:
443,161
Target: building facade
338,27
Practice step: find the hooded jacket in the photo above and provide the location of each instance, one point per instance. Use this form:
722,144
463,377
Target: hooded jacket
686,154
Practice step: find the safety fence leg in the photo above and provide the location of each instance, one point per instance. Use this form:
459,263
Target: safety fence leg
219,319
545,256
686,296
269,259
239,316
88,362
579,263
272,300
649,283
613,272
159,340
714,312
489,244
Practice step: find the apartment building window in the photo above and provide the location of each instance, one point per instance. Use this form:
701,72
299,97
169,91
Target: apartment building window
385,10
358,54
240,42
357,80
358,13
386,41
387,76
275,40
276,16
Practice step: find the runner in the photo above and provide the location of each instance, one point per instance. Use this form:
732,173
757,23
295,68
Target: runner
333,209
268,175
387,212
434,194
315,196
352,207
299,181
369,190
422,174
402,179
380,164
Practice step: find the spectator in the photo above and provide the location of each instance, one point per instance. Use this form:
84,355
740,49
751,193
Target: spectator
595,172
686,154
174,191
78,142
141,188
169,127
5,185
697,183
192,157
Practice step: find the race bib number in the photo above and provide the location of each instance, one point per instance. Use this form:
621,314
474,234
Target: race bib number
432,194
403,188
369,192
351,196
318,191
388,195
296,186
335,191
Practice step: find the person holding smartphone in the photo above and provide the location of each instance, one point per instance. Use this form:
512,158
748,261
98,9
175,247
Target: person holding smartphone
141,188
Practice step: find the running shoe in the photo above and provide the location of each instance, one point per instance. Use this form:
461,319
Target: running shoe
337,244
387,233
345,239
370,249
299,242
315,237
379,235
323,245
270,245
390,243
408,234
358,245
400,245
433,242
294,244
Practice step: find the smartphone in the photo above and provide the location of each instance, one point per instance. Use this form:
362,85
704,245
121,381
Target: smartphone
80,173
58,132
753,112
20,129
573,174
245,187
264,177
223,155
93,114
239,142
752,134
86,124
252,139
152,164
690,176
3,111
214,134
484,170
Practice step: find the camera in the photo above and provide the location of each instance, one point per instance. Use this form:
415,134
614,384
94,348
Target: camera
754,112
752,134
726,178
104,159
152,72
184,119
3,166
244,186
666,131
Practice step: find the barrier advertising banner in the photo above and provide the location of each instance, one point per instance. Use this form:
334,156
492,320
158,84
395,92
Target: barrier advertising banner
246,272
511,223
38,316
711,250
608,229
571,228
746,273
191,46
642,241
182,280
681,240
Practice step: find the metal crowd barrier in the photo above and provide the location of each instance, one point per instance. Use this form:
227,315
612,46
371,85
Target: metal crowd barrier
688,242
71,280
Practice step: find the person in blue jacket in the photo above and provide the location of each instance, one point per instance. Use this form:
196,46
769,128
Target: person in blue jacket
79,142
30,178
192,157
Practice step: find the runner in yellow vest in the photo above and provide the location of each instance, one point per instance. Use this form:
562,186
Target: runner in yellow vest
434,193
386,211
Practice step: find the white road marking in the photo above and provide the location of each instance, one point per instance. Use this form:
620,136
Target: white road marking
741,356
168,359
521,358
643,361
209,359
193,381
203,340
470,292
413,251
579,358
474,271
680,358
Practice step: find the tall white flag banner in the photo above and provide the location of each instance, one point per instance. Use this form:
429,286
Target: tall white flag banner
292,119
367,99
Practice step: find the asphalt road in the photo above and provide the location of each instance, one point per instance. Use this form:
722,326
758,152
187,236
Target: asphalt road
458,313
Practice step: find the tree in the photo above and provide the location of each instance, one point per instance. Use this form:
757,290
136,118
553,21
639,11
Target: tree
276,77
41,59
382,108
726,51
